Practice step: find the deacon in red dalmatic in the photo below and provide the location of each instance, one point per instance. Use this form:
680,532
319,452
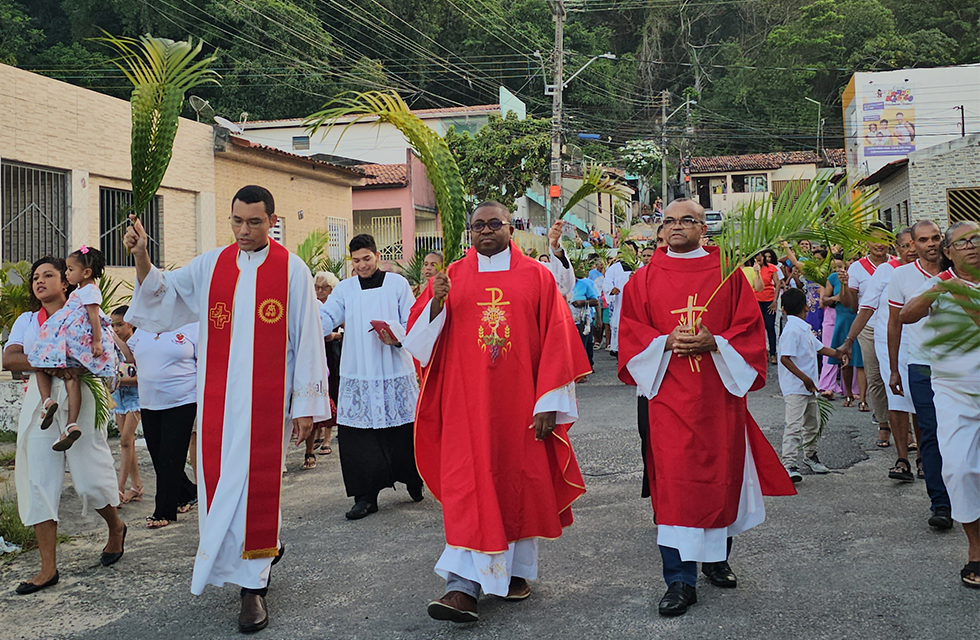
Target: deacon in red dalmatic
500,357
707,462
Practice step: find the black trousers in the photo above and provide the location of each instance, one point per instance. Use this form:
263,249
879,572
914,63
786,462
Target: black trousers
770,321
168,434
374,459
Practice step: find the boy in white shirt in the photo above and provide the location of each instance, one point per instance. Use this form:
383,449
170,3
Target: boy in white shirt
798,350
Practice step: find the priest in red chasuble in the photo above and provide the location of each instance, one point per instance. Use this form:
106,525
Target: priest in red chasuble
500,356
261,375
707,462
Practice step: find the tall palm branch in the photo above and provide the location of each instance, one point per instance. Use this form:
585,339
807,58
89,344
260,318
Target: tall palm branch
313,250
595,181
161,71
431,148
957,332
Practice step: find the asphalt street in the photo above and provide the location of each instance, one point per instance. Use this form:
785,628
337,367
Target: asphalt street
851,556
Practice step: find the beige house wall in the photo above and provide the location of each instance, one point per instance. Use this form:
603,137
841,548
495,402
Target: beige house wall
56,125
296,186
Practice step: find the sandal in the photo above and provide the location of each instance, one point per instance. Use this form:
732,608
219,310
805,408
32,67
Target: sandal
325,450
67,440
882,443
849,401
919,472
913,445
970,574
863,407
309,461
47,416
134,494
902,471
186,507
157,523
827,395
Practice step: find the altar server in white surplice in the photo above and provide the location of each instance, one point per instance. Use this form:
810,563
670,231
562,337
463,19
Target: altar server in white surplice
262,375
378,384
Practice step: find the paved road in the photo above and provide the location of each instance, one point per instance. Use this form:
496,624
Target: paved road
849,557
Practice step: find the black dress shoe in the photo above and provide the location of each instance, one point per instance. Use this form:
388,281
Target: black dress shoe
25,588
254,616
720,574
112,558
941,519
415,492
678,598
282,552
361,510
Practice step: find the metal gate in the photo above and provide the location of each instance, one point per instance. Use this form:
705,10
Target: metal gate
387,232
337,245
963,204
35,212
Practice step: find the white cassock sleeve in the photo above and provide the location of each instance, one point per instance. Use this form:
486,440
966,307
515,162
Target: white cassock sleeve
649,366
168,301
564,275
309,384
421,341
332,311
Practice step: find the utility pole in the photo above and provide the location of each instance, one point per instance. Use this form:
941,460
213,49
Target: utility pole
685,157
558,11
962,121
664,102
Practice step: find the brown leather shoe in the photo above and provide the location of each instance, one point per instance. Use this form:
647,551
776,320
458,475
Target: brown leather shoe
519,589
455,606
254,616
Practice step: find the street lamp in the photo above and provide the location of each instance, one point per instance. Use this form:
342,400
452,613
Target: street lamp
819,106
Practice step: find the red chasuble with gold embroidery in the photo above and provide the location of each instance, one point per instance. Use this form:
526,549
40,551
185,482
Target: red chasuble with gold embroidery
509,339
696,444
268,391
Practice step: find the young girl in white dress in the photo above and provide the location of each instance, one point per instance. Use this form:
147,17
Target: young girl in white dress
79,335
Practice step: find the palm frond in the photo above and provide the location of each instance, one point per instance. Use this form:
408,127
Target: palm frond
443,172
111,298
100,393
337,267
957,328
628,257
412,270
815,214
594,181
825,409
15,292
161,71
313,250
818,271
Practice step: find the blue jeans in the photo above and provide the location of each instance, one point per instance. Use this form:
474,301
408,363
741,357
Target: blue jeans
920,387
677,570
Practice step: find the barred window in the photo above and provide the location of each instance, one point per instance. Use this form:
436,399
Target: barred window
112,227
34,211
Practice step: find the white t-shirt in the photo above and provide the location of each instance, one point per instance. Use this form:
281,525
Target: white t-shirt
876,297
167,365
798,342
25,331
858,278
962,366
905,284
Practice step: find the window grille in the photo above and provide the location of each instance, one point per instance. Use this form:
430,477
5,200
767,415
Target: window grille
35,212
112,227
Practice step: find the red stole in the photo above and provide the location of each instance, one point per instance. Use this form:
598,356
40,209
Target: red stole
268,415
509,339
696,447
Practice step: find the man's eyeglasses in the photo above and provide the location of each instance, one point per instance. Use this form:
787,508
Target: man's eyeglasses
253,223
480,225
686,222
963,243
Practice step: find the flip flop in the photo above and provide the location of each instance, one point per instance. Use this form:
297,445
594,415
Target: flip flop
157,524
309,461
325,450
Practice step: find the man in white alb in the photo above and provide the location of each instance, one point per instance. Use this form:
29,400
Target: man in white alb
617,275
262,374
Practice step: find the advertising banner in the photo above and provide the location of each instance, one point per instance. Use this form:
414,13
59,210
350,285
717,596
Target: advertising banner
888,122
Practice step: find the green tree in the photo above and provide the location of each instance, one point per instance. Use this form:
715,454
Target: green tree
504,158
19,35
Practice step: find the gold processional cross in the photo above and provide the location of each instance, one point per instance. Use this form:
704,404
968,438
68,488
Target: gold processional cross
688,319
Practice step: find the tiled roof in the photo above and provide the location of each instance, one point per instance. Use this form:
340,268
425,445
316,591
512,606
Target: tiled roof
384,175
242,142
422,113
760,161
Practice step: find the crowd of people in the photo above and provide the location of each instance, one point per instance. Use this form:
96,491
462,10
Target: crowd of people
289,354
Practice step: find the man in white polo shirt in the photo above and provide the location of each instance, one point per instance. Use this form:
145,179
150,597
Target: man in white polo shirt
905,285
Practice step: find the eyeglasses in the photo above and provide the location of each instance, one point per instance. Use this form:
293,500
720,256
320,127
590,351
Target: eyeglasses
480,225
905,246
963,243
253,223
686,222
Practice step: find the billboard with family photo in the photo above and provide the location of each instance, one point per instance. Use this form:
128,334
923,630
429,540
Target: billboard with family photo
888,120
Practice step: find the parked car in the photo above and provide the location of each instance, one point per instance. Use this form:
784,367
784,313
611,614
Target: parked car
716,222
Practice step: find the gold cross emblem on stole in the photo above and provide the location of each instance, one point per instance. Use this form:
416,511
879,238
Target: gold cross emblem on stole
688,319
219,315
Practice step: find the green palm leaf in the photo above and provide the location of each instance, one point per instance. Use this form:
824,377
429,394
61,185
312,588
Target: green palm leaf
957,330
161,71
825,409
594,181
313,250
101,395
432,150
818,272
412,270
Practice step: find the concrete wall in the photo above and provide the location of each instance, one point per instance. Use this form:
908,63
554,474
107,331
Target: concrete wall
935,170
56,125
893,195
295,184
